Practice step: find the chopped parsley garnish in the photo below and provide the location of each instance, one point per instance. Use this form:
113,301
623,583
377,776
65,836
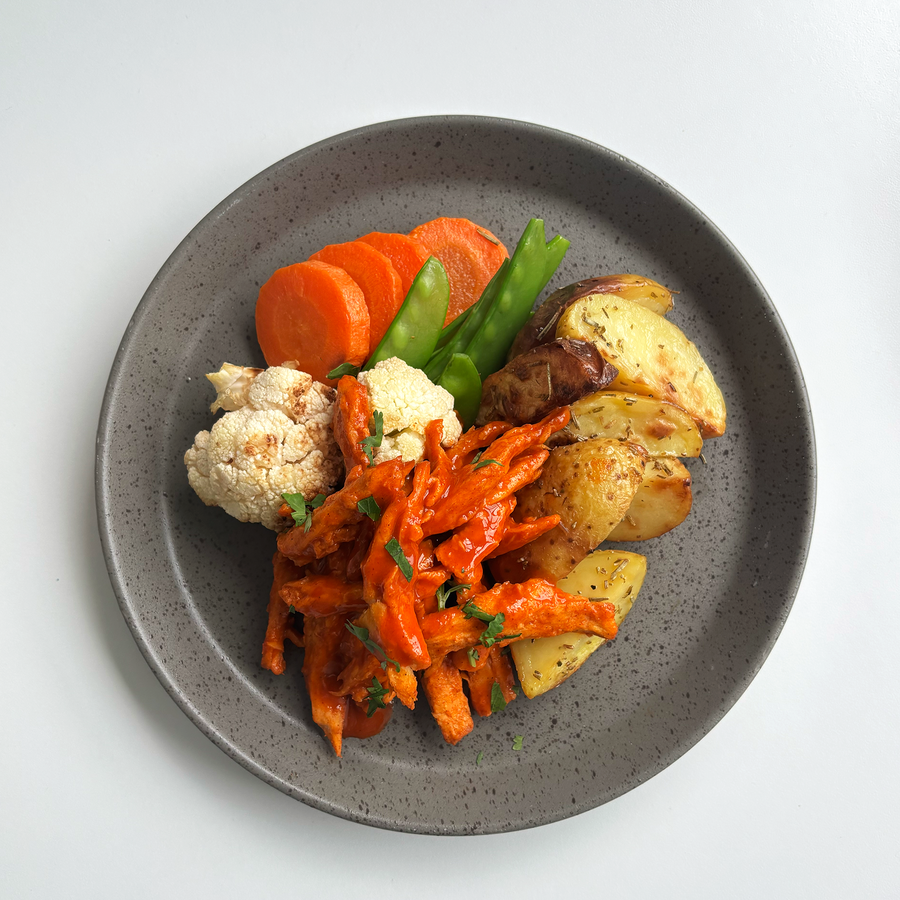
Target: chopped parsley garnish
374,440
517,741
479,758
343,369
291,609
369,507
478,462
493,633
498,701
472,653
370,645
471,610
301,509
393,547
446,590
376,697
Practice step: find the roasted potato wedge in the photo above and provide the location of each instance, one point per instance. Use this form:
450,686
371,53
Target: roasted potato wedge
661,428
590,485
662,501
532,385
613,575
652,355
541,328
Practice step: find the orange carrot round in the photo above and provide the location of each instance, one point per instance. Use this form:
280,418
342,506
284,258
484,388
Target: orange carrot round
378,279
314,313
469,253
406,255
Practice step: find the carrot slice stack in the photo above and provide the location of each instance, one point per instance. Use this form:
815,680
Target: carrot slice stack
314,313
469,253
406,255
376,276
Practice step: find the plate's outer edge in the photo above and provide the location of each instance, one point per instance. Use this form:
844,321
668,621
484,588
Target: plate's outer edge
102,492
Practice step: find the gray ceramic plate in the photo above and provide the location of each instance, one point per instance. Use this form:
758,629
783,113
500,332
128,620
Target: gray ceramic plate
193,583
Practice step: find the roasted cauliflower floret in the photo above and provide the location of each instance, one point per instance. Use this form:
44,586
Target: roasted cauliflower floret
408,401
232,384
276,438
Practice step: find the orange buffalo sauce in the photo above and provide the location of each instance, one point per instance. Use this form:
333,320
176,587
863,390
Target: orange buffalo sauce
358,725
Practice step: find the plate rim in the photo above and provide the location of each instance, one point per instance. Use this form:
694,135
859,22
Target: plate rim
103,443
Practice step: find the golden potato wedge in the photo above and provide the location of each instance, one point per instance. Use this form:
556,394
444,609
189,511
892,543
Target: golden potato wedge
653,356
541,327
661,428
663,501
590,485
613,575
645,291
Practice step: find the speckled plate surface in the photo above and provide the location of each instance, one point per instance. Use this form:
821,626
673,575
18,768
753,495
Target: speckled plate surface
193,583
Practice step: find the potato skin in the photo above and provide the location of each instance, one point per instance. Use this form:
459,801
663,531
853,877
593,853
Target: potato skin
548,376
590,486
662,501
661,428
541,328
653,356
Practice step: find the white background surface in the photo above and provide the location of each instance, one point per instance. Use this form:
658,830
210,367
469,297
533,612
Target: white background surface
121,125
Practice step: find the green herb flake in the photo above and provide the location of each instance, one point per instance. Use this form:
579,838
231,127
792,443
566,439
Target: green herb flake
291,609
363,634
299,512
396,551
471,610
493,633
517,741
374,440
369,507
343,369
446,590
472,653
498,701
479,758
376,697
478,462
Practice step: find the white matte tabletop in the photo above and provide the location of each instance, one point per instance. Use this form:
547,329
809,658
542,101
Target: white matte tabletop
122,125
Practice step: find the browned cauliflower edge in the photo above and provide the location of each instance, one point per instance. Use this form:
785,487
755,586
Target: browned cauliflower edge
275,438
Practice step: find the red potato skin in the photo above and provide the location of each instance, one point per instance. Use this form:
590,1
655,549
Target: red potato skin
541,328
543,379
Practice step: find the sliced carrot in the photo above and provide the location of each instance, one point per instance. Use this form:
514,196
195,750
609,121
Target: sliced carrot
374,273
314,313
406,255
469,253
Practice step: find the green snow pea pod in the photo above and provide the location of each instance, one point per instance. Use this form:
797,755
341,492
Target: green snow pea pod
416,328
450,330
460,378
531,267
461,337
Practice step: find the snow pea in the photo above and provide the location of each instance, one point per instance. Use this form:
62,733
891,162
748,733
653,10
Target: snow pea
416,328
475,316
451,329
531,267
461,379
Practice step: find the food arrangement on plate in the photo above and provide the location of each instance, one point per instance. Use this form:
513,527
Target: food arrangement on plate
441,463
